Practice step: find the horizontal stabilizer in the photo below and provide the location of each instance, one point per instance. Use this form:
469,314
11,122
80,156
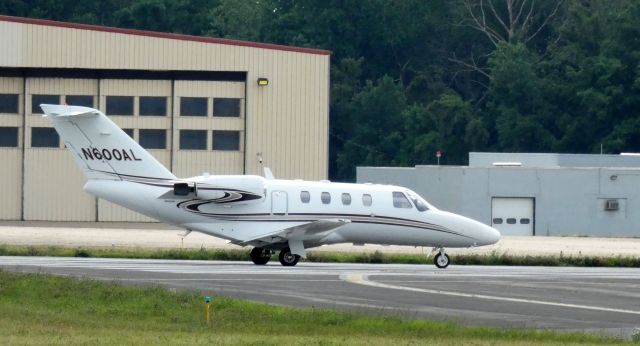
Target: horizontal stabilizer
68,111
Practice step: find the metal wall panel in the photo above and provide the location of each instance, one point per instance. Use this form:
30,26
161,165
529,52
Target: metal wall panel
13,86
187,163
52,182
11,158
52,190
11,37
287,119
286,124
11,183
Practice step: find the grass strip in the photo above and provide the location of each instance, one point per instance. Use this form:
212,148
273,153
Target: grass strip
43,309
494,258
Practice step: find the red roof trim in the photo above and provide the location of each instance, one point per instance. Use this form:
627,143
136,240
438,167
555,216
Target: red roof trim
163,35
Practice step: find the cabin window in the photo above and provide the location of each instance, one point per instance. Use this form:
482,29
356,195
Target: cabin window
511,221
9,137
325,197
153,106
153,139
367,200
346,199
400,200
9,103
525,221
305,196
37,100
497,221
420,204
119,105
44,137
79,100
193,106
226,107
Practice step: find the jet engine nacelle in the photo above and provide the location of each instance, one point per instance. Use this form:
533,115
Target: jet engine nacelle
223,189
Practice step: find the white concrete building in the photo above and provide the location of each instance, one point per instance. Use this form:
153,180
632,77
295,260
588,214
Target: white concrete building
531,194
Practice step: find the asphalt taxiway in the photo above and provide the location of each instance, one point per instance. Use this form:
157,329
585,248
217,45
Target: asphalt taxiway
606,300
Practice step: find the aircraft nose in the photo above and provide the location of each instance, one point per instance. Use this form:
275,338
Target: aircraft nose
489,235
478,232
483,234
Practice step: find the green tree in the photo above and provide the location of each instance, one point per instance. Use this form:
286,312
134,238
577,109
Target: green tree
516,102
376,136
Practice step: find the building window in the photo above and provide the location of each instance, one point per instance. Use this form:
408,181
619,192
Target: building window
152,139
400,200
497,221
119,105
80,100
9,103
511,221
226,140
9,137
346,199
226,107
153,106
367,200
128,132
325,197
305,196
193,139
193,106
525,221
44,137
37,100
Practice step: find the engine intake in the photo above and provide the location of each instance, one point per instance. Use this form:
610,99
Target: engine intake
183,189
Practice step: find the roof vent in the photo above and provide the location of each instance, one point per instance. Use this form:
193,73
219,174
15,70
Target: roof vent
507,164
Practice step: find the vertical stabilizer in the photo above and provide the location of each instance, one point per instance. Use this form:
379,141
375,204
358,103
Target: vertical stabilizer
100,148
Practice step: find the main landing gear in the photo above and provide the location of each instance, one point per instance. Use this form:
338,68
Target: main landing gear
261,256
288,259
442,259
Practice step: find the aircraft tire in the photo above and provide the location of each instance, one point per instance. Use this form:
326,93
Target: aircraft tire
288,259
260,256
441,260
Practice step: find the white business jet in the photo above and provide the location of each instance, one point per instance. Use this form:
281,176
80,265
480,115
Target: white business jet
266,213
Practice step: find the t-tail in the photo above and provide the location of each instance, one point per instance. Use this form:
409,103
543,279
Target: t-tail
100,148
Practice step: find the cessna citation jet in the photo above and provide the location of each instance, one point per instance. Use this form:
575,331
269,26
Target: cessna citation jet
269,214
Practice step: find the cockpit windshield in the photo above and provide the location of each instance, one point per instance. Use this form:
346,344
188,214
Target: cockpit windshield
419,202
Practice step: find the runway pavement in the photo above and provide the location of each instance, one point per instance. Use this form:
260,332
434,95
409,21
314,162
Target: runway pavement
606,300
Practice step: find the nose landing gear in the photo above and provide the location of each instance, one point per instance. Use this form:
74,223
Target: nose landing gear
442,259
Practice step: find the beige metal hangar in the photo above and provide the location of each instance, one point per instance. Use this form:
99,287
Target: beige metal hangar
198,104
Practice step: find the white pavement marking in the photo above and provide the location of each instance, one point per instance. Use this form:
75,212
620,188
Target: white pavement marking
362,279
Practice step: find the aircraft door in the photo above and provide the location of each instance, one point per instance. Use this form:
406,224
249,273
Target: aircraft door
279,203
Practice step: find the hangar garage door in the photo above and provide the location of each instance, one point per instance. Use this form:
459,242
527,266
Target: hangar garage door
512,215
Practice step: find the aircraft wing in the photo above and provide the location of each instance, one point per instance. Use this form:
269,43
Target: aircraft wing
299,233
